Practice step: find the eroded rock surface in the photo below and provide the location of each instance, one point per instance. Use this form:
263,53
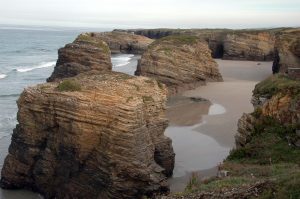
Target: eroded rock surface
249,46
96,135
275,98
287,50
180,62
122,42
86,53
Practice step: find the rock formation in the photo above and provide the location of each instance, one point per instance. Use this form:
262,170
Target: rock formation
180,62
287,51
96,135
86,53
249,46
122,42
257,45
277,97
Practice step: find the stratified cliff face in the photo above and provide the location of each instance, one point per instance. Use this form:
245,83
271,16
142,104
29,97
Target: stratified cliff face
122,42
86,53
249,46
180,62
287,51
225,43
276,98
96,135
152,33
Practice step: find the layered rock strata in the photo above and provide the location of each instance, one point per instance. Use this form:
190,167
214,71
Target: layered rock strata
86,53
180,62
96,135
278,98
249,46
255,45
287,49
122,42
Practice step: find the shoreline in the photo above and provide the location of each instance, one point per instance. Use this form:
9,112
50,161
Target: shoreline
203,146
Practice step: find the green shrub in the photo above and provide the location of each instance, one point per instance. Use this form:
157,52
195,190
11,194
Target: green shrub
257,113
194,182
277,83
68,85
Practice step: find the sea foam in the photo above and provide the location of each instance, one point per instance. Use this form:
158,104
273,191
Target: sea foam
121,60
216,109
2,76
42,65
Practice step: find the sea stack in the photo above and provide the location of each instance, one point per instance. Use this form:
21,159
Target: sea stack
179,61
96,135
86,53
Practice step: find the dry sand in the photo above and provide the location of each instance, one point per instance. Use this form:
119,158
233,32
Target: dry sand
202,146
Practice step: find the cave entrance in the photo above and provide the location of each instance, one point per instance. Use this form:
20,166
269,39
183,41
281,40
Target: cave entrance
218,52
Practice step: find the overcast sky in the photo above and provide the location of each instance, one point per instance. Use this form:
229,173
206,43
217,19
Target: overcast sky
152,13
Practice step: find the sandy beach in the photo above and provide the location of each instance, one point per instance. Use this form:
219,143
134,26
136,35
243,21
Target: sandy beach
201,145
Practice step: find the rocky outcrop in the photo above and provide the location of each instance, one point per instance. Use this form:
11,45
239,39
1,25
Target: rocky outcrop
122,42
96,135
152,33
245,130
249,46
86,53
287,50
257,45
180,62
277,97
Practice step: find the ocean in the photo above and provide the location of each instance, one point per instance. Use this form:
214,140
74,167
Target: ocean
28,57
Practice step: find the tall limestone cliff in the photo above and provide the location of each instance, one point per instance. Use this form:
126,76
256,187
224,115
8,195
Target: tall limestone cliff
180,62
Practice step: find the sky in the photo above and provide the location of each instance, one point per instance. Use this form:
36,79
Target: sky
152,13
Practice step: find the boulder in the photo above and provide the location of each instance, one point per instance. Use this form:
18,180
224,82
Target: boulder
96,135
180,62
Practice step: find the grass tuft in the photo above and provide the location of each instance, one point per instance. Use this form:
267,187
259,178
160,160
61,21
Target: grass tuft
94,41
68,86
277,83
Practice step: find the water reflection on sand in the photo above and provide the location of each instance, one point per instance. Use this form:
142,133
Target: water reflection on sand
194,151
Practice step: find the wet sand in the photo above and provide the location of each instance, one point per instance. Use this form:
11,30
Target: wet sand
203,145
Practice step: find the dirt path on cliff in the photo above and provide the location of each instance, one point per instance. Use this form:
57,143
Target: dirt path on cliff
201,146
